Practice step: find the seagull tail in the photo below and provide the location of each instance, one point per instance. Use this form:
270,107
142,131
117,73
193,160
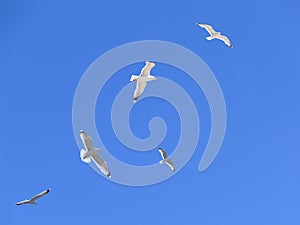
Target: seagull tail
82,154
150,78
99,149
162,161
134,78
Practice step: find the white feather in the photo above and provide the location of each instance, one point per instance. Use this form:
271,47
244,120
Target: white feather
83,158
134,78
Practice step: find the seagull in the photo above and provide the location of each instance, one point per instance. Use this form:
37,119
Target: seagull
166,159
91,153
142,80
214,34
34,198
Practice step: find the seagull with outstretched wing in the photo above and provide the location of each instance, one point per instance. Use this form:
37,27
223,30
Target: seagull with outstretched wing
214,34
142,80
166,159
91,153
34,198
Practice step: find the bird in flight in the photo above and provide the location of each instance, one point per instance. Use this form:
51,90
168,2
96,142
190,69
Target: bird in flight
166,159
91,153
34,198
214,34
142,80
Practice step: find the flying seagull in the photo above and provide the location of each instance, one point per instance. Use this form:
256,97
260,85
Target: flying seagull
214,34
142,80
34,198
91,153
166,159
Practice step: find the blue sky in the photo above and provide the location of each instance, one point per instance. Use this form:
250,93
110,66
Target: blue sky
46,46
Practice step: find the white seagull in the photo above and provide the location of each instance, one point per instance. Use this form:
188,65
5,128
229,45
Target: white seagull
214,34
91,153
142,80
166,159
33,199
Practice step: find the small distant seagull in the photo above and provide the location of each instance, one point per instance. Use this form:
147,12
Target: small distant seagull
142,80
92,153
33,199
214,34
166,159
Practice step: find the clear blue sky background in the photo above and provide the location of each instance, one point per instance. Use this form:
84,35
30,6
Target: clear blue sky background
45,47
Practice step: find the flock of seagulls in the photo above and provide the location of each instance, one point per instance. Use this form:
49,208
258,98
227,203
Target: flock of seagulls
90,153
145,76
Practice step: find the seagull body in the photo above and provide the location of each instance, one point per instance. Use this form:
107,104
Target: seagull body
34,198
166,159
214,34
142,80
91,153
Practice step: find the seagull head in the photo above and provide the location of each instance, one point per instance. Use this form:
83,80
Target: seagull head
81,131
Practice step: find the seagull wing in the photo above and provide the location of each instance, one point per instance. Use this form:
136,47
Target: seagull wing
140,87
171,165
147,68
87,141
163,153
23,202
101,164
207,27
40,195
225,39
